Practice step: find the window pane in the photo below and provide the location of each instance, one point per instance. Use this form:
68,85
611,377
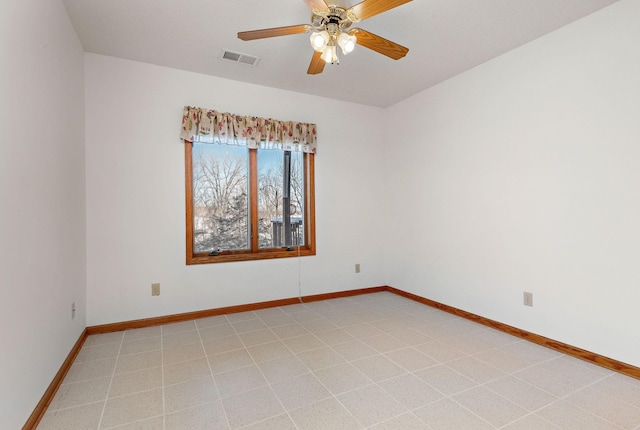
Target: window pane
272,199
220,204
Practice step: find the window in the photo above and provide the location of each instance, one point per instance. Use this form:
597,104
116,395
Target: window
248,203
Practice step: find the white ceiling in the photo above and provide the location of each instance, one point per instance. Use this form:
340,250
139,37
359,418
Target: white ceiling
444,37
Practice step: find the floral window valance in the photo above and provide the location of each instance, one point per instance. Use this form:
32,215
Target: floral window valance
210,126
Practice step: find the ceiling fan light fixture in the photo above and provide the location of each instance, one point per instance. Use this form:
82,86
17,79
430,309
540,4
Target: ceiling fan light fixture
329,55
319,40
347,42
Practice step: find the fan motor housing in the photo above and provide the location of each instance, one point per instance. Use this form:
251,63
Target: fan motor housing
336,18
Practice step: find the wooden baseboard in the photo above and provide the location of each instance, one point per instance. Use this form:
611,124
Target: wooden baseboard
564,348
148,322
50,392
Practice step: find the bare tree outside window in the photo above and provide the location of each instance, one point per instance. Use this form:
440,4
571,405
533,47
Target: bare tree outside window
220,205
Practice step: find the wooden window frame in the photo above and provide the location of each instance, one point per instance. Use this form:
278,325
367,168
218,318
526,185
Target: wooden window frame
254,253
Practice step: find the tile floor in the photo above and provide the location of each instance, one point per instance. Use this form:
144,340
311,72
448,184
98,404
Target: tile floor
376,361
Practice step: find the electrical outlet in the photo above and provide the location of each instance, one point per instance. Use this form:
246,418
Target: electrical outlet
155,289
528,299
73,310
358,268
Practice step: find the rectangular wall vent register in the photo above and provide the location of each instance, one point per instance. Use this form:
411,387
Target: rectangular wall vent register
238,57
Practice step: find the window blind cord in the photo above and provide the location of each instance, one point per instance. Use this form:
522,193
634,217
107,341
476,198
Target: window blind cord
299,276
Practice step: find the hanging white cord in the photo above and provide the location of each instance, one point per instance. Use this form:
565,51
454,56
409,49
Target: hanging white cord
299,276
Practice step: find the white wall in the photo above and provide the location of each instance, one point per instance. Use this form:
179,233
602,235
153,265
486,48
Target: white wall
135,194
523,175
42,200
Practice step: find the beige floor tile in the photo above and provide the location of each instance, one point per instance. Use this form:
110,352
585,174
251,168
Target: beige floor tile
208,416
134,407
411,337
179,327
607,407
282,368
280,422
303,343
341,378
306,315
388,325
621,387
440,352
321,358
268,351
186,371
104,338
467,343
300,391
334,336
189,394
324,415
407,421
140,345
239,380
290,330
216,332
318,326
80,393
85,417
133,382
570,417
558,377
257,337
501,359
82,371
529,353
410,391
248,325
490,406
142,333
251,407
277,320
531,422
180,339
521,393
182,353
230,360
362,331
384,342
476,369
410,359
371,405
143,360
155,423
344,320
98,352
378,367
445,379
354,350
448,415
223,344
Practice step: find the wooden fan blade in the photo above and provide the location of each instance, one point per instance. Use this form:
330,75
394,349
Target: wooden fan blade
317,5
379,44
317,64
273,32
369,8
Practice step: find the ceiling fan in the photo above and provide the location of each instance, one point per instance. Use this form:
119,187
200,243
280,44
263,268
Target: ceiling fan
331,26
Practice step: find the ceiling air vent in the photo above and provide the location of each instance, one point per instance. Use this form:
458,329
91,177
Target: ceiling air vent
238,57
